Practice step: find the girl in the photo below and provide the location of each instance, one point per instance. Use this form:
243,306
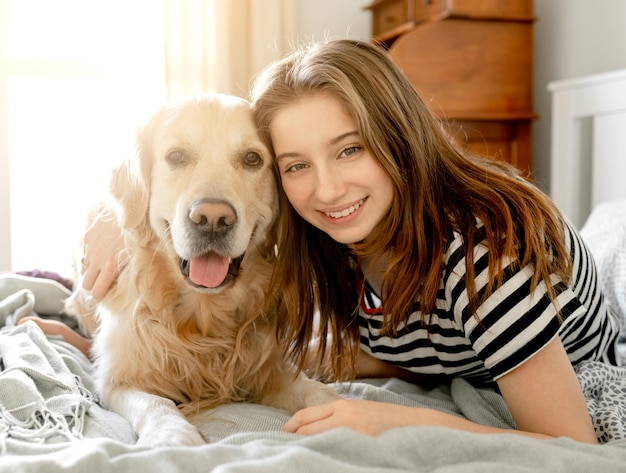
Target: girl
434,262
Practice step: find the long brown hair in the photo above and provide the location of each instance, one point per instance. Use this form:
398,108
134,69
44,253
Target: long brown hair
439,189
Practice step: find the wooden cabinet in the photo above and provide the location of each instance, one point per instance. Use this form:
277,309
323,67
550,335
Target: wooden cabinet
471,60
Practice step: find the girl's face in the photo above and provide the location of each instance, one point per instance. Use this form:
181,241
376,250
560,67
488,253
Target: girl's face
329,177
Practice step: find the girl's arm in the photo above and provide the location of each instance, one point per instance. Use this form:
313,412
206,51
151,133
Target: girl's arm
369,367
54,327
543,395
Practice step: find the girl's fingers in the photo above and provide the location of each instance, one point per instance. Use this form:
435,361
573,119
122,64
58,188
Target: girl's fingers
308,416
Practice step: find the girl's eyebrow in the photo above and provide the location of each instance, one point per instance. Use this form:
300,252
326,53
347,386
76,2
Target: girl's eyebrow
343,136
334,141
286,155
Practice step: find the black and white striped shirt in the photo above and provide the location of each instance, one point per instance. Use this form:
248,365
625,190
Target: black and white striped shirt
515,323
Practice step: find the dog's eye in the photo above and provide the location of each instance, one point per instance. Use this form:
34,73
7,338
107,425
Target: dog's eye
253,159
176,158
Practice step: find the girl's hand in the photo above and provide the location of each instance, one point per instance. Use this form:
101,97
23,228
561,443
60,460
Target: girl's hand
373,418
368,417
103,254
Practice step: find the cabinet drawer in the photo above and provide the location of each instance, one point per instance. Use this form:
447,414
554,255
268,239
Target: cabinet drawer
430,10
391,18
434,10
388,16
492,9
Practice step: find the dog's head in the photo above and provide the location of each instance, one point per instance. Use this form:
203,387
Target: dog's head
201,183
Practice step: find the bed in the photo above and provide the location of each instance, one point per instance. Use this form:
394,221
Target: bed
50,420
588,156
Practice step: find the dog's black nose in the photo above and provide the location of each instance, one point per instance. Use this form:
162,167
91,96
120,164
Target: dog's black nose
212,216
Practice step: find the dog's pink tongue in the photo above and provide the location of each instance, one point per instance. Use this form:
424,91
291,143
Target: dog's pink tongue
208,270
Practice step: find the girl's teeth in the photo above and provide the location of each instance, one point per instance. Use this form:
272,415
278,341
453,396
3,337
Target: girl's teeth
345,212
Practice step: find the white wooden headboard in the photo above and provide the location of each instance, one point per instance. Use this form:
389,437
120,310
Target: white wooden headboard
588,156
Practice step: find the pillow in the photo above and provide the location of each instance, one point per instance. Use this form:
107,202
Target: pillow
604,232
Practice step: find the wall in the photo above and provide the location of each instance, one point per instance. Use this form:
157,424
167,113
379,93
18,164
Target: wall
318,19
572,38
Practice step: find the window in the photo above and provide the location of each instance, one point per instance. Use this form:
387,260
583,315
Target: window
78,78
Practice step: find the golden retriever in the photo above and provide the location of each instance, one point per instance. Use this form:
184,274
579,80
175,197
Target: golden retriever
188,325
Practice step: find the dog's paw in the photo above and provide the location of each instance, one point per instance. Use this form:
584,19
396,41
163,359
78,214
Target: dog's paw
169,430
302,392
168,434
320,394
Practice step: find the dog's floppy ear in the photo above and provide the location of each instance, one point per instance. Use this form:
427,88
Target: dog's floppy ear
130,183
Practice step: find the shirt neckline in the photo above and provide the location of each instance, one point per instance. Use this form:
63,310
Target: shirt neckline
362,285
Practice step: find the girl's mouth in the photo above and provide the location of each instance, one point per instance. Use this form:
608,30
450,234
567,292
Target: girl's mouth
345,212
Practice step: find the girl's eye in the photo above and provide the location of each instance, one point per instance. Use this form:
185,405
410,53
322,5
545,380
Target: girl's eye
294,168
350,150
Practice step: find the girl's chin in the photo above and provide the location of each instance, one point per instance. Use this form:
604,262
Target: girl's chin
345,238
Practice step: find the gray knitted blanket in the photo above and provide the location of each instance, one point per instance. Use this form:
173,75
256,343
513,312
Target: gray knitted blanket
50,421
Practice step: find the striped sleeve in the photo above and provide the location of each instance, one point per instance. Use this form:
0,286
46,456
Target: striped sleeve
514,323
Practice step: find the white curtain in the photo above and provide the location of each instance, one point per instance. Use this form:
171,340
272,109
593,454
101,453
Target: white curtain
220,45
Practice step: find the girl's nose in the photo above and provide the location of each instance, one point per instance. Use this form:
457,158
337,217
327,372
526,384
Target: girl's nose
330,185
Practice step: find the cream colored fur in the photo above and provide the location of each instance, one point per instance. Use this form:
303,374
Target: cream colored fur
165,349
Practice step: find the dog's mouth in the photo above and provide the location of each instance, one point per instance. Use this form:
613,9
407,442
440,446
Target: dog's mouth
210,270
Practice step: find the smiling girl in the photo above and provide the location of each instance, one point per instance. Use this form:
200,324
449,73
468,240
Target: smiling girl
405,256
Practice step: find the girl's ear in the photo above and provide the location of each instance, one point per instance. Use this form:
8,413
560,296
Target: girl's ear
130,183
